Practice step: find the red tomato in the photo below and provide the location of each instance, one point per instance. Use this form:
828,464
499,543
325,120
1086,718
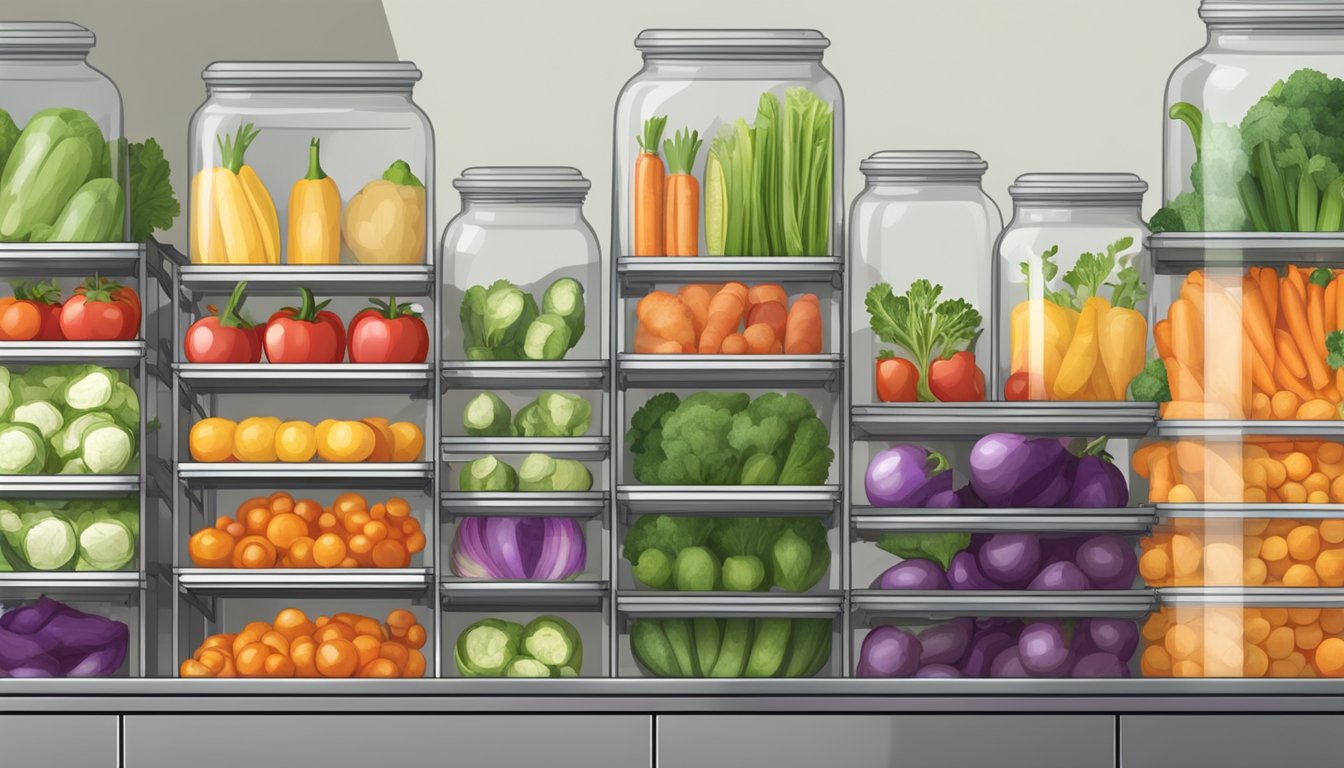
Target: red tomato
897,380
45,297
223,338
388,332
957,379
120,294
1018,386
308,334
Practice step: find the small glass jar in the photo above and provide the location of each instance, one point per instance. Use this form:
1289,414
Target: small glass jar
921,216
715,83
1262,61
521,235
1071,281
55,106
311,163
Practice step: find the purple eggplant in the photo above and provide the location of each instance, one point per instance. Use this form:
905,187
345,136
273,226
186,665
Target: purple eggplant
1059,549
917,573
1061,576
1043,650
984,649
946,643
964,573
906,476
1008,664
962,498
938,671
1100,664
1114,636
1010,559
1109,561
889,651
1009,470
1097,484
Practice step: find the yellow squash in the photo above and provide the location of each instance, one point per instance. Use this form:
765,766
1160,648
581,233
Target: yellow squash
1083,354
314,216
1122,338
233,219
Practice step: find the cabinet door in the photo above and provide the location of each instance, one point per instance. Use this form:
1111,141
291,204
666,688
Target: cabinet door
881,741
363,740
58,741
1229,741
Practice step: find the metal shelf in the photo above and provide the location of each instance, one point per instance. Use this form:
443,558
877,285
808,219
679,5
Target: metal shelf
636,604
559,374
305,582
95,585
925,421
68,486
587,504
871,521
1234,429
410,280
740,371
1248,511
1251,597
242,474
1175,252
109,354
638,274
350,378
593,448
499,595
696,500
943,603
70,259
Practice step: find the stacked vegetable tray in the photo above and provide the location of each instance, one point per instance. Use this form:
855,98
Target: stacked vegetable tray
82,476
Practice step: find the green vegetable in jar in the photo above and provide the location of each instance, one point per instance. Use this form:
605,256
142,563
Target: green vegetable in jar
9,136
96,213
55,154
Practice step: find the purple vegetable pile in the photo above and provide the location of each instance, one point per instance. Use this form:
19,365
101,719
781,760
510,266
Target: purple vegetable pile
997,647
518,548
1006,471
1008,561
51,639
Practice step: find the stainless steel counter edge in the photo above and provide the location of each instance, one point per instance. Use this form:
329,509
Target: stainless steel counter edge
667,696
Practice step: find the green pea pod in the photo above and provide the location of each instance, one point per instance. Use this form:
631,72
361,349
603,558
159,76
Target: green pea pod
93,214
56,153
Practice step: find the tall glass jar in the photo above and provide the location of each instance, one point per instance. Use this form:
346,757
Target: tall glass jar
1267,73
922,215
522,227
55,106
1072,279
311,163
739,93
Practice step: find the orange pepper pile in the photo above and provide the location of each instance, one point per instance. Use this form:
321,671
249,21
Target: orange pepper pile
1244,642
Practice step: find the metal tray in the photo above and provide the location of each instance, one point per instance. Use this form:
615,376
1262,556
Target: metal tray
871,521
305,582
870,604
109,354
636,275
407,280
1176,252
71,259
1252,597
593,448
744,371
587,504
809,500
1247,511
465,594
351,378
969,421
1234,429
559,374
636,604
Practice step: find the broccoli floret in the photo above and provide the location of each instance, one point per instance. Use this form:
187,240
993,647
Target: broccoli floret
695,440
665,533
768,423
1151,384
649,418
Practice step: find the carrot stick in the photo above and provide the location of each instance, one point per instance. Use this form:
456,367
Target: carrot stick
1293,384
1162,337
1187,333
760,339
740,291
696,298
1182,381
1338,285
725,316
1262,373
802,335
759,294
1269,291
1289,357
649,189
1292,303
734,344
1255,321
1193,291
1332,306
666,316
772,313
1339,379
681,220
1316,316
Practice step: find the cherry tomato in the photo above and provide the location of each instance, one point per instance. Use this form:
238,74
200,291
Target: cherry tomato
388,332
957,379
223,338
897,380
122,294
1018,386
101,310
308,334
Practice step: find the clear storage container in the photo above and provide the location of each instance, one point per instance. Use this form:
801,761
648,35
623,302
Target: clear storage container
527,633
1071,285
1266,73
525,268
61,146
921,216
311,163
716,640
740,93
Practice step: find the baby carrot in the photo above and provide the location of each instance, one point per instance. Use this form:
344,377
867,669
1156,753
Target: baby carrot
759,294
725,316
734,344
681,196
649,189
696,298
1269,291
1255,321
1316,309
802,334
772,313
665,315
1289,357
760,339
1292,296
1187,333
1162,337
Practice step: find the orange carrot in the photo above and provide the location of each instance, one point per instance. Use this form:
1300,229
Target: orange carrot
1162,337
1338,285
1255,321
772,313
734,344
1332,306
649,343
681,220
725,316
1316,316
1292,296
1269,291
1293,384
1184,384
759,294
696,298
1262,373
777,348
1289,357
1339,379
1192,290
760,339
802,334
1187,333
666,316
649,188
740,291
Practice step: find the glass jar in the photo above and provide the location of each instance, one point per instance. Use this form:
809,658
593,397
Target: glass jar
1071,267
921,216
521,235
1263,61
311,163
712,84
52,101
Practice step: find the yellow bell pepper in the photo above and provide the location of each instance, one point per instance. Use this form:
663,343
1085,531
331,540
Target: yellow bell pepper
314,215
1082,355
1039,334
1122,337
385,222
233,219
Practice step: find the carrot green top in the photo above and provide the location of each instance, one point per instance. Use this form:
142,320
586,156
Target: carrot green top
681,151
653,134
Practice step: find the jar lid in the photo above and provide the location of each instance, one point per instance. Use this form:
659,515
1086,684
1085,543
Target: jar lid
557,183
732,42
1272,12
307,75
44,37
923,163
1082,187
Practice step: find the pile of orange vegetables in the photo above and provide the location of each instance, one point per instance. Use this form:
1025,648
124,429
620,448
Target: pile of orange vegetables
1255,469
277,531
1251,553
729,319
343,645
1287,362
268,439
1244,642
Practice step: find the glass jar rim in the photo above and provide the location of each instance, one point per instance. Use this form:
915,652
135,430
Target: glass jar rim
1272,12
558,183
44,37
730,43
1083,187
924,163
311,75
